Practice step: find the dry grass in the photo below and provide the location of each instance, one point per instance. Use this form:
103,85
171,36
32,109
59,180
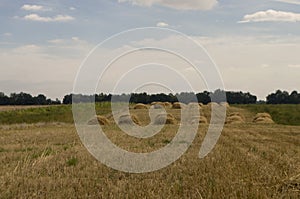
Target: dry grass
249,161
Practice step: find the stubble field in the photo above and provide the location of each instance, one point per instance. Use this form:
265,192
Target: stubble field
43,159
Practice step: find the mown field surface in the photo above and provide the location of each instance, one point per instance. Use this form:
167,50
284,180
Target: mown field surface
44,158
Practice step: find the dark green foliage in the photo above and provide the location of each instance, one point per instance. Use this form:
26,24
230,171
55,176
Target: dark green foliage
72,161
283,97
25,99
185,97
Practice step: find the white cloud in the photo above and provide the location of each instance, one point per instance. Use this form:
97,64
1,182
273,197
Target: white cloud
58,18
37,69
72,8
27,49
265,65
67,41
297,2
75,38
176,4
162,24
33,7
271,16
7,34
294,65
56,41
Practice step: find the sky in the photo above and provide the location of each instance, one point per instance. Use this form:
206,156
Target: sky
255,45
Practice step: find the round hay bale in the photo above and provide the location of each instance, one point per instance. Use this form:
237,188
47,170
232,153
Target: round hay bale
162,119
140,106
262,115
99,120
200,120
158,105
235,119
225,104
237,114
128,120
211,104
167,105
263,120
153,103
178,105
194,104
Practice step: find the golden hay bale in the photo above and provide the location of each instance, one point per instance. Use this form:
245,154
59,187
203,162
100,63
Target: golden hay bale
263,120
194,104
140,106
262,115
178,105
158,105
225,104
164,119
200,120
153,103
237,114
128,119
99,120
167,105
211,104
235,119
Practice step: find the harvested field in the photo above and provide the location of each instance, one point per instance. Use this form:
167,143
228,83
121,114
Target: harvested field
250,160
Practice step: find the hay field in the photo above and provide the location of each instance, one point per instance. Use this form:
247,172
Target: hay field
13,108
47,160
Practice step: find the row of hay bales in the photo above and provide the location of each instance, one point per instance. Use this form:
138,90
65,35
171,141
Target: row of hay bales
160,119
175,105
233,118
260,118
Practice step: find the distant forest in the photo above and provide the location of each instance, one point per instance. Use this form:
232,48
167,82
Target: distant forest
279,97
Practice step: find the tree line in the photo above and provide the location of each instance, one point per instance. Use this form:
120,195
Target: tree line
283,97
26,99
278,97
186,97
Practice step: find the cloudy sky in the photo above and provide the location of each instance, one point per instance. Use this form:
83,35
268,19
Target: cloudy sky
255,44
